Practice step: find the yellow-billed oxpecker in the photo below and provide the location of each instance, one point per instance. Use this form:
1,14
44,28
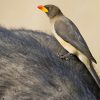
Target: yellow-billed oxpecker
68,35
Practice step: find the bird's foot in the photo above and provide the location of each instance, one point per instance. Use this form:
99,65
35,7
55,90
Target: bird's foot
66,56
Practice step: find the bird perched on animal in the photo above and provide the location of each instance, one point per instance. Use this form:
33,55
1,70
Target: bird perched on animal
68,35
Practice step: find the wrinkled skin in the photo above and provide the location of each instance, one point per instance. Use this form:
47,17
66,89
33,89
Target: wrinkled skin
30,69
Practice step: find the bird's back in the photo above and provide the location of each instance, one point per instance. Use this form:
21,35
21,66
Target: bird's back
66,29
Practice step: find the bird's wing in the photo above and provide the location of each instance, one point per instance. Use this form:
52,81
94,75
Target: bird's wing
67,30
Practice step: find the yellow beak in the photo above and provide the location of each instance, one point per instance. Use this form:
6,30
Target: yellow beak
42,8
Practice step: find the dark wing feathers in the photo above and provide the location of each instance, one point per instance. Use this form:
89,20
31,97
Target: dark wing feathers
66,29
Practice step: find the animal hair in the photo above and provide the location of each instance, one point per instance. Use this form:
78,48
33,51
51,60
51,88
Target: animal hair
30,69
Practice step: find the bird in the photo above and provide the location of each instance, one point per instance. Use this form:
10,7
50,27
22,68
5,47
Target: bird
70,38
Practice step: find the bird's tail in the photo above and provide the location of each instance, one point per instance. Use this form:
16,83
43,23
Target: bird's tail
94,74
88,63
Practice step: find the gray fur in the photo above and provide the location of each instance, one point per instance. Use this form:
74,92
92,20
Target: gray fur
31,70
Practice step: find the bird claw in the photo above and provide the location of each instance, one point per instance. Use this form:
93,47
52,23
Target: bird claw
66,56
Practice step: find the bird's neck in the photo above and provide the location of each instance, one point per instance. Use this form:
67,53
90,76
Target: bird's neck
52,20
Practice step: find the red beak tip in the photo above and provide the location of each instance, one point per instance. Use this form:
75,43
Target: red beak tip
40,6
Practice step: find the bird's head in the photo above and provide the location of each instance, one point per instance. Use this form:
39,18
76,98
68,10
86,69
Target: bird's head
51,10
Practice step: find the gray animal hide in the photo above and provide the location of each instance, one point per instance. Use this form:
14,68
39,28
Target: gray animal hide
30,69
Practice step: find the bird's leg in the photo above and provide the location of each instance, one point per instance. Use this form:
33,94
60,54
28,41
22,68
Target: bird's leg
63,56
59,52
66,56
